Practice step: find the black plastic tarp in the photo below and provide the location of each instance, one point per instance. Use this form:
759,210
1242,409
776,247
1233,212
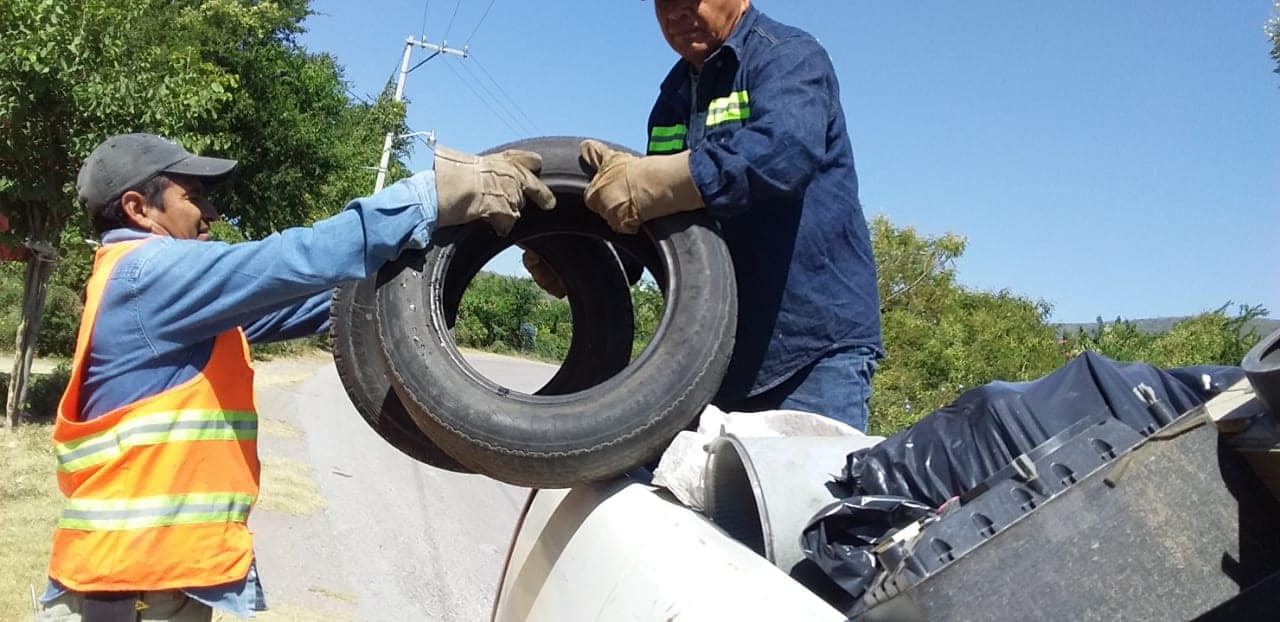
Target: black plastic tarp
953,450
957,447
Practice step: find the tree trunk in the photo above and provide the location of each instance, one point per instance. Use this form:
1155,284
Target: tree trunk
35,287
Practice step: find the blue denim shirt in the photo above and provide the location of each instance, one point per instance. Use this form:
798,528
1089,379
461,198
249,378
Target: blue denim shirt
771,156
167,300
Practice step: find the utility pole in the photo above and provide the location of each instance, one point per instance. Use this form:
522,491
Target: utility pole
409,44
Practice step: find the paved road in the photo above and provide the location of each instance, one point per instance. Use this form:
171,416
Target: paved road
398,539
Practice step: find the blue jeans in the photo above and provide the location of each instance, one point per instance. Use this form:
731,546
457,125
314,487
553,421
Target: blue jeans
837,386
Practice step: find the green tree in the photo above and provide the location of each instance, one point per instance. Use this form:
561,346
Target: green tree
553,320
492,310
1273,32
943,338
647,305
224,77
1121,340
70,76
1210,338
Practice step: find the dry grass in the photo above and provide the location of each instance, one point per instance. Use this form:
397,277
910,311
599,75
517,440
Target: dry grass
287,488
29,505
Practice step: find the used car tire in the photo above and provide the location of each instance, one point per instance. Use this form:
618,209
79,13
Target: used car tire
1262,366
600,304
365,376
593,433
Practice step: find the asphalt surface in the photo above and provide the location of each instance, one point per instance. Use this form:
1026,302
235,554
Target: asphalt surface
397,539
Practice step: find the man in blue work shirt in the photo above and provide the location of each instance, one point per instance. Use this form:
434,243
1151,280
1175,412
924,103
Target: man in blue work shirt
749,126
164,313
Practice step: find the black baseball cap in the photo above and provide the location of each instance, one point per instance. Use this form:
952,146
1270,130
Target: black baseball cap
126,160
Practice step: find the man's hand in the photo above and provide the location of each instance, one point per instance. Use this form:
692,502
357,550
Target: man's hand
628,190
492,188
543,274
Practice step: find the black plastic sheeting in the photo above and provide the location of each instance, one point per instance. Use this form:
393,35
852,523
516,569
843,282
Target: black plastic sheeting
839,538
956,448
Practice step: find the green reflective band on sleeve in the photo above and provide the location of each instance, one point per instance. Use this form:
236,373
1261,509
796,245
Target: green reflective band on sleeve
667,138
123,514
666,146
670,131
182,425
734,107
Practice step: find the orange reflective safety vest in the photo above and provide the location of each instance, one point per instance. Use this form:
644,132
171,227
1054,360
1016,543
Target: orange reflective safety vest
158,491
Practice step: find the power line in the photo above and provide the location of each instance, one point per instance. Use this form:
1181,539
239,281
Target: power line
482,16
425,6
362,98
504,92
491,101
505,108
450,26
482,100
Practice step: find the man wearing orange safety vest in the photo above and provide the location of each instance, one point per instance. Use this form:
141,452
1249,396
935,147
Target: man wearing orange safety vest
156,435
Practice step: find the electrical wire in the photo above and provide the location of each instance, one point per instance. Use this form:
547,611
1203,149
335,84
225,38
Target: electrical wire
496,114
511,114
508,105
425,6
477,28
511,99
361,98
450,26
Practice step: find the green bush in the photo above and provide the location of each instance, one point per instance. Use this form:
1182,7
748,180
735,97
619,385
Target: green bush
43,393
291,348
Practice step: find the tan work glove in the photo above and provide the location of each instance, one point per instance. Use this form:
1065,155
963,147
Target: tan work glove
628,190
492,188
543,274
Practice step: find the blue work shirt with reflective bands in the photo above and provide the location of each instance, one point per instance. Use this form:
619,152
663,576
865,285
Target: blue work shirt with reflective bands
771,156
167,300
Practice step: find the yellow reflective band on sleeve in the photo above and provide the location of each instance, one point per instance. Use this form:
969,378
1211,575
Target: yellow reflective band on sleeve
733,107
667,138
146,512
176,426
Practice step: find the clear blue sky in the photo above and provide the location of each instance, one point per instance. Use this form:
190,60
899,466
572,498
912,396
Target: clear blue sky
1110,158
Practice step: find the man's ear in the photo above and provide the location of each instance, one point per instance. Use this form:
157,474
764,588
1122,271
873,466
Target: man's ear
134,206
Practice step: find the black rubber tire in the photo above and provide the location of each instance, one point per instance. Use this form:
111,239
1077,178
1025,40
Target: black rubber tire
1262,366
599,298
605,430
365,376
601,343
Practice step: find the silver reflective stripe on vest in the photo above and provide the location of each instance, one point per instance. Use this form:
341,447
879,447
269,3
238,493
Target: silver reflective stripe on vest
146,512
668,138
734,107
154,429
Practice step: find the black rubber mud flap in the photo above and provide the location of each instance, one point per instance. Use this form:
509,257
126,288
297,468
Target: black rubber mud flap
628,413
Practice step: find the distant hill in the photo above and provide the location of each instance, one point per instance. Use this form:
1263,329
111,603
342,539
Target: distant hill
1159,325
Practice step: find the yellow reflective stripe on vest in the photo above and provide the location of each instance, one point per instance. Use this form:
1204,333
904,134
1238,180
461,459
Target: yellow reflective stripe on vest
734,107
145,512
667,138
183,425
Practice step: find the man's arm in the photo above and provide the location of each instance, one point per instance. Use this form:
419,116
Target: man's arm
777,152
189,291
300,319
